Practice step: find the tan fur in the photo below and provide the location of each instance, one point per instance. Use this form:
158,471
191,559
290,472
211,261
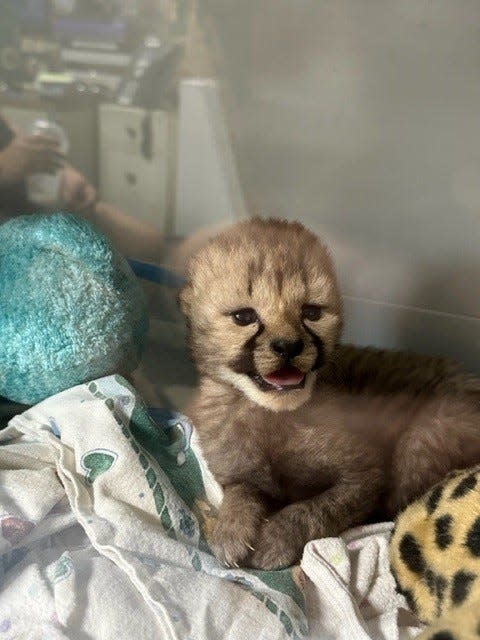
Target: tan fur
370,430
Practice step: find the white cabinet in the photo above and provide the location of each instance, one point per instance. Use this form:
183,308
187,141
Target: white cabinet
137,162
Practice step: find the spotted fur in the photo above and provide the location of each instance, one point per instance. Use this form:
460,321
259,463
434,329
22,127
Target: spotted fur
435,555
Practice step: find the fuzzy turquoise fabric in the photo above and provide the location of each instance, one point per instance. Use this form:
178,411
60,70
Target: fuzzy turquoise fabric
71,309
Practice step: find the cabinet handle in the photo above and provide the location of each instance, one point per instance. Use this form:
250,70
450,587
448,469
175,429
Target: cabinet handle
147,138
131,178
131,132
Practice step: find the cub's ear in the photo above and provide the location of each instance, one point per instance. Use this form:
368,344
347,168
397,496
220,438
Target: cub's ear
184,299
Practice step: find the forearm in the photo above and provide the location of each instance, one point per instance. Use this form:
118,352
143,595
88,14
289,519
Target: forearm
283,536
243,501
239,518
132,237
347,503
7,176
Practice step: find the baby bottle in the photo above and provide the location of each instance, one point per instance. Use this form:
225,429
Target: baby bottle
43,188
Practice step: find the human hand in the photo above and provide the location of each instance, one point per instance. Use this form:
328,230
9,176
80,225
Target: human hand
29,154
77,193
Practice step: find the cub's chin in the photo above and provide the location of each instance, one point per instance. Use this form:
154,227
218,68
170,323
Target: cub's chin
271,396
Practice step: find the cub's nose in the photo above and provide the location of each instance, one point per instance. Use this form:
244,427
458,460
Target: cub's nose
287,348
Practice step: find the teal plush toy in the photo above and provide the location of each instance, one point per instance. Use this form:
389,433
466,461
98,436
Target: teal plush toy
71,309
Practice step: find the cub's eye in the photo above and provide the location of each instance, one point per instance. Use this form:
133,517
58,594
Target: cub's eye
243,317
312,312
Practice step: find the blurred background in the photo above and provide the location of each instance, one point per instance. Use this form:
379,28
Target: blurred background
359,118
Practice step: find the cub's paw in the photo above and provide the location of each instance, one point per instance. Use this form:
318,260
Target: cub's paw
232,540
278,545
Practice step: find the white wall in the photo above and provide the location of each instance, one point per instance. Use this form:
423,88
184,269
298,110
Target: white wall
362,119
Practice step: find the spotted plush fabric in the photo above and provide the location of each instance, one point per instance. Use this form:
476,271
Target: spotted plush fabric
435,557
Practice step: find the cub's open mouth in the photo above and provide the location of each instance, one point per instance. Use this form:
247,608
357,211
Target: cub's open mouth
285,379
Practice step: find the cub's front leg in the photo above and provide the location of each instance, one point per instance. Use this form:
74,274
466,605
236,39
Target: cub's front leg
349,502
240,516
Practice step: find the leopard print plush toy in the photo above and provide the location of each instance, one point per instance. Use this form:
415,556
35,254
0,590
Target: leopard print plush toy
435,557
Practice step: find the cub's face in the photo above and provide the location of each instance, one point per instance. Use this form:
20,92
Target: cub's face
264,311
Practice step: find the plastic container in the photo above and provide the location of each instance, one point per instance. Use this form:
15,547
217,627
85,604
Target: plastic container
42,188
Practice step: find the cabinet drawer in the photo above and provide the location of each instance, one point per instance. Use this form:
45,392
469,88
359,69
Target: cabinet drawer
137,186
134,131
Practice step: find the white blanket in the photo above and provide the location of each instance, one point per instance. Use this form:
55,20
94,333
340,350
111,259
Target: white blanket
104,516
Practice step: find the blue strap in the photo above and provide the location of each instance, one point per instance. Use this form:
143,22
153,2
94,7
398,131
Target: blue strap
156,274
